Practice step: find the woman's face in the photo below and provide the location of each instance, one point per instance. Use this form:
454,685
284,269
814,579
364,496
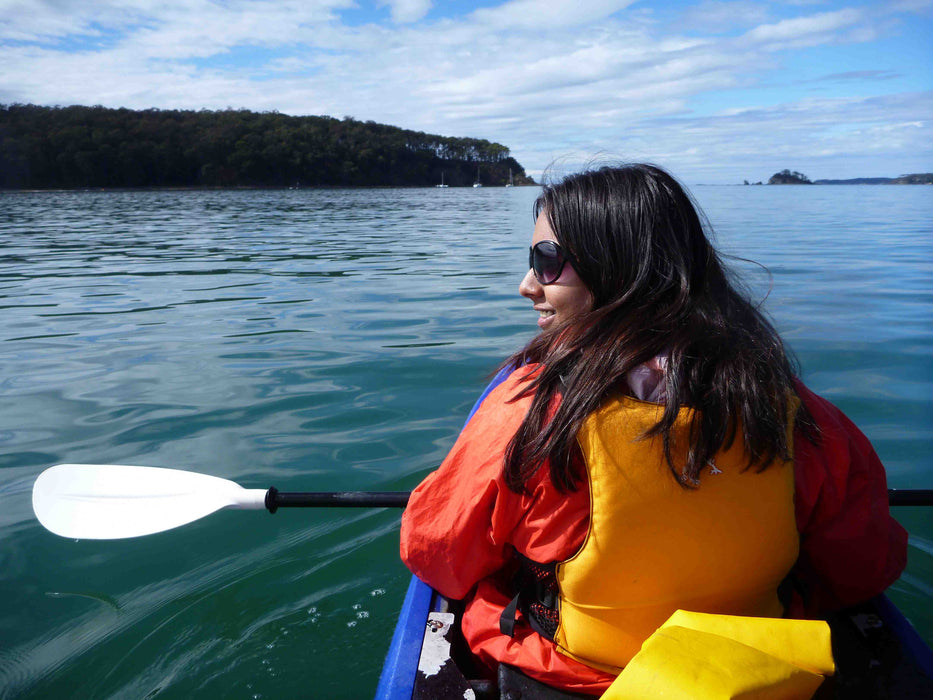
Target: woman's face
561,300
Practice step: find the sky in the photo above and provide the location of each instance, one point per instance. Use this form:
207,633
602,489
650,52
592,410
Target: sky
717,91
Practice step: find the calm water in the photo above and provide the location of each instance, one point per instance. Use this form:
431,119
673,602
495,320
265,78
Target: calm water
320,340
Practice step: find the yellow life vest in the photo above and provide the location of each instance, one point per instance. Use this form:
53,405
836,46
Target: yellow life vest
654,547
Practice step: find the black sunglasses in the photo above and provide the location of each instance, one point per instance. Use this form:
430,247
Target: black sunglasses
547,259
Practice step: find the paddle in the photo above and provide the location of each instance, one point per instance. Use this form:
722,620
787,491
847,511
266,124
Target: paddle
112,501
910,497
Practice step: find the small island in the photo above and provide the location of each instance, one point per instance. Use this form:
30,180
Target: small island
787,177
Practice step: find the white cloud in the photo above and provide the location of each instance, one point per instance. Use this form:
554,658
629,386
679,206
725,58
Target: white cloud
723,15
404,11
547,14
804,28
194,25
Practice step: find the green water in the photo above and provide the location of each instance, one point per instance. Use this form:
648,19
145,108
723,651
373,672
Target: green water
332,340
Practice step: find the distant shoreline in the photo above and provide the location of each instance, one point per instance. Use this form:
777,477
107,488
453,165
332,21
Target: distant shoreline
859,181
276,188
876,181
788,177
250,188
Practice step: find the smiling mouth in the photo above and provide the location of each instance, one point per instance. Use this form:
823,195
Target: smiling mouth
546,314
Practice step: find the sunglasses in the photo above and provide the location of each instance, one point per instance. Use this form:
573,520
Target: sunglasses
547,259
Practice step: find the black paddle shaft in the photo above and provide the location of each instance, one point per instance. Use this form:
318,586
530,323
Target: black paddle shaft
399,499
336,499
910,497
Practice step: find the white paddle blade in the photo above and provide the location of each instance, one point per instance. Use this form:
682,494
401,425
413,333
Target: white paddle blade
112,501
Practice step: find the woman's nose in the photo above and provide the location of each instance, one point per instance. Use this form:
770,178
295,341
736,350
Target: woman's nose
530,287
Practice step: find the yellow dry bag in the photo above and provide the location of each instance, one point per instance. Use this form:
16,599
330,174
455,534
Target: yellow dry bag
723,657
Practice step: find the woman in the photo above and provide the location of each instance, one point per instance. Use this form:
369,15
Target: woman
652,451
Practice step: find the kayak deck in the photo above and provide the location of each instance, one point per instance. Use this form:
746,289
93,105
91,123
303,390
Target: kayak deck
878,655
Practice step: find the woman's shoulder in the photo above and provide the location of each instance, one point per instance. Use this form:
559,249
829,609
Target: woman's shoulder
504,403
509,384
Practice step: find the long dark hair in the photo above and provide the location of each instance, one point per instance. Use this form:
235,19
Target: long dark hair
659,287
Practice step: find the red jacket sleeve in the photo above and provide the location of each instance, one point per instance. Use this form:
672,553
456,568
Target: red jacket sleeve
455,527
463,522
851,549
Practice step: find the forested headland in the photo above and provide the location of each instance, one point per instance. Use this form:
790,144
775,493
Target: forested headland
97,147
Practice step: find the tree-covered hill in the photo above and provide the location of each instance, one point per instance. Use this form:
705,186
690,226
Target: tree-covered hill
76,147
786,177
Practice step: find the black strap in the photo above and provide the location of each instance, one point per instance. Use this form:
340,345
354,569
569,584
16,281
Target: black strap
508,617
536,595
792,585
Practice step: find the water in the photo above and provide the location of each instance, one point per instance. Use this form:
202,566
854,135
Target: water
332,340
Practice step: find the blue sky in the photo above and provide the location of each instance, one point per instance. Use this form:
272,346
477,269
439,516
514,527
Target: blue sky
719,91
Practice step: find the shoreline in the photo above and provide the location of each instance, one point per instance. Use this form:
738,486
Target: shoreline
250,188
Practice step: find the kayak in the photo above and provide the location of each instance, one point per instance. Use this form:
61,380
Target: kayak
877,651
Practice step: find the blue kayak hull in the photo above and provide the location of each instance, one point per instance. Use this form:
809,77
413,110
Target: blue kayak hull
401,665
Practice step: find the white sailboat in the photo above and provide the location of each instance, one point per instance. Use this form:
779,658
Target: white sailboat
509,184
442,182
477,183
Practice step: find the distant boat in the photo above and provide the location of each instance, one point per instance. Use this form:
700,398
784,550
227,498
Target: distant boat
442,182
510,178
477,183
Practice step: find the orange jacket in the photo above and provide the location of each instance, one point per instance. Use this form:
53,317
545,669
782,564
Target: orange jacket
462,524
